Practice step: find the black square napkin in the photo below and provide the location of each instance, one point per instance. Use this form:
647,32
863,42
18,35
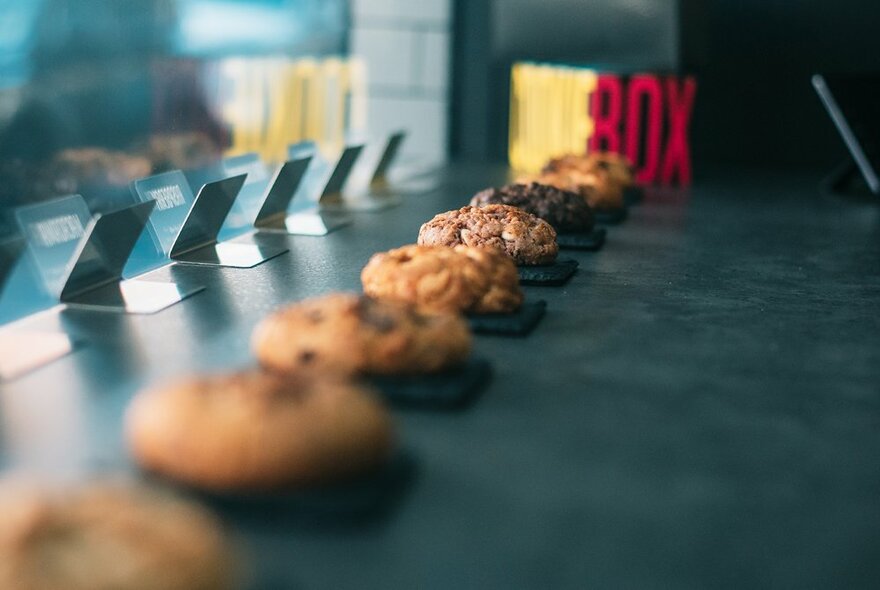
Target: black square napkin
518,323
550,275
451,389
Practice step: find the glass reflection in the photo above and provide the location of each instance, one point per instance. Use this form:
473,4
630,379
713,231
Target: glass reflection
96,94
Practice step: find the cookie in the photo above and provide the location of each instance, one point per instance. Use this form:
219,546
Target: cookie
617,165
253,430
97,166
169,151
77,170
564,210
257,431
108,537
596,187
344,333
527,239
438,278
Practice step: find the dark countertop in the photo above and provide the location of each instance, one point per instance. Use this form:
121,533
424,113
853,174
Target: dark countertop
699,408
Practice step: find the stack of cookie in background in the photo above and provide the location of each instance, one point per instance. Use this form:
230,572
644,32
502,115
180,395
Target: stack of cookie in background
305,414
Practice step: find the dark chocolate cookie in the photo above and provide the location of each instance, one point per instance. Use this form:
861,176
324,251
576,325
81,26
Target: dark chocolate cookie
564,210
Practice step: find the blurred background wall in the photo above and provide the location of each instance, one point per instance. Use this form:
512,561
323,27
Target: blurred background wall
406,45
753,60
439,68
615,35
90,89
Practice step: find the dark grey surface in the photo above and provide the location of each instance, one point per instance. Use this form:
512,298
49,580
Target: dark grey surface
699,408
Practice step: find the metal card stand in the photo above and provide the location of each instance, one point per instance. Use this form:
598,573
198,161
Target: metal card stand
196,241
273,213
326,216
94,279
379,181
250,199
22,351
174,199
377,196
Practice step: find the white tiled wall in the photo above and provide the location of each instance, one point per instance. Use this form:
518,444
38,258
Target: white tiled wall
406,45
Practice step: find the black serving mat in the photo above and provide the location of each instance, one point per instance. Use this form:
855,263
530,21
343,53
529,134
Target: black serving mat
589,240
633,195
551,275
451,389
611,216
518,323
361,498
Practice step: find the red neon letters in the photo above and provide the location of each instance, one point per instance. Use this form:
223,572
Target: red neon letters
639,134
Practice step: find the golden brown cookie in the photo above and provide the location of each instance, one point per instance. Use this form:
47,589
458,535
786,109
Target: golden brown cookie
617,165
438,278
108,537
348,334
527,239
257,431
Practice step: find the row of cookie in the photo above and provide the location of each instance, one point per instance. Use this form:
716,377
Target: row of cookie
307,397
524,220
299,423
517,221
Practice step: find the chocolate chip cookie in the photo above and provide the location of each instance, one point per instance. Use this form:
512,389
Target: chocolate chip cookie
258,431
438,278
351,334
108,537
564,210
524,237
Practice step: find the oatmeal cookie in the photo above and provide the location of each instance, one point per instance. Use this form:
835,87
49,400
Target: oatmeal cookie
527,239
566,211
438,278
349,334
257,431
